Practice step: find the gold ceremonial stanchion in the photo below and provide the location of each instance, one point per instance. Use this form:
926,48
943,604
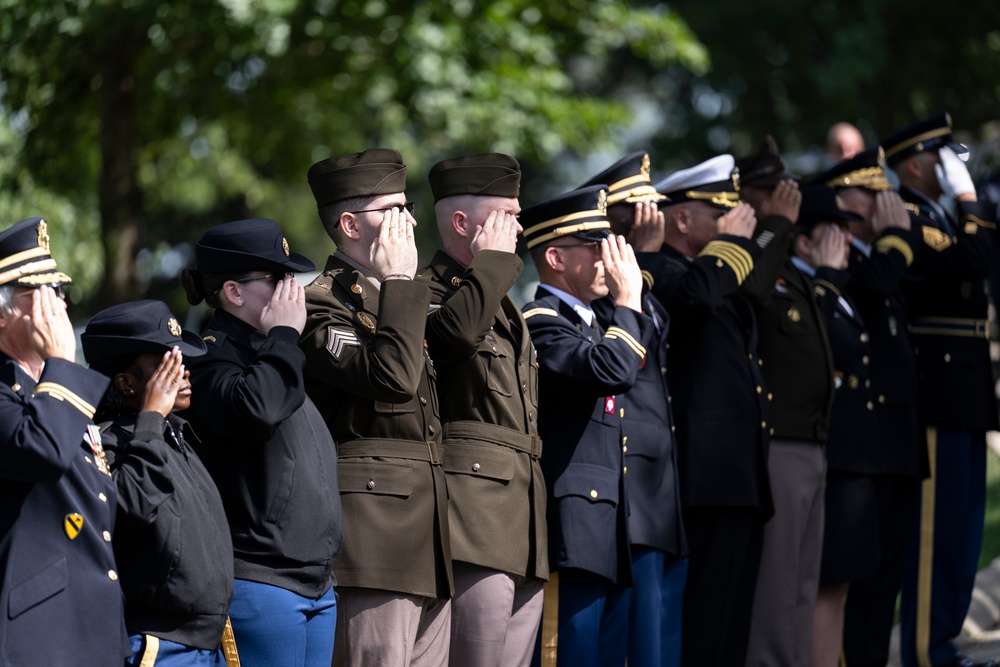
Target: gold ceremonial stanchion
550,621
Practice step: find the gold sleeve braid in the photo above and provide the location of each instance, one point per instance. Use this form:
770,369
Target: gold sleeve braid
732,255
887,243
63,394
617,333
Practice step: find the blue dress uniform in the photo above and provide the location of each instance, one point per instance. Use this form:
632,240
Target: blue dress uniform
59,591
656,529
947,304
582,370
874,275
721,412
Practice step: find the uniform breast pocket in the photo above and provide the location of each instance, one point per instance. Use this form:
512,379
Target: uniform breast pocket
375,478
488,461
497,367
38,588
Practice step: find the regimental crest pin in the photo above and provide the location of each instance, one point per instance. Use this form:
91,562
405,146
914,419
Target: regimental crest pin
73,524
174,327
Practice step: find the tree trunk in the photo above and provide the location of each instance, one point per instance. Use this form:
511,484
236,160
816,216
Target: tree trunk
120,201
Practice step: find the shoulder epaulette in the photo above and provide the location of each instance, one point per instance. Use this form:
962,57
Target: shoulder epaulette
729,254
820,286
540,311
213,337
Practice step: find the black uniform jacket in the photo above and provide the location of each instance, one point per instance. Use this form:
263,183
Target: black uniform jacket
369,374
874,287
487,380
172,540
947,305
798,364
853,442
719,400
271,455
59,591
582,372
654,500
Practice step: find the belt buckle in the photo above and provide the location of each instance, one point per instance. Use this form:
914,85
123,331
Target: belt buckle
432,453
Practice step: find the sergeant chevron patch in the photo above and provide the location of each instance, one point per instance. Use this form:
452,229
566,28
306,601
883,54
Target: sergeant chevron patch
338,339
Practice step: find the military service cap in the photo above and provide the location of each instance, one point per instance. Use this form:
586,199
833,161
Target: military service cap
628,180
715,181
138,327
480,174
821,204
248,245
581,213
25,258
763,169
370,173
864,170
929,134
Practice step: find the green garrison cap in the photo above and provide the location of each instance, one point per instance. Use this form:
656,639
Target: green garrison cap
370,173
479,174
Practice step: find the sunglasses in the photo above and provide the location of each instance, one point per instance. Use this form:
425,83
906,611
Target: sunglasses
276,277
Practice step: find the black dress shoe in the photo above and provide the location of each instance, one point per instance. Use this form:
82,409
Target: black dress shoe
965,661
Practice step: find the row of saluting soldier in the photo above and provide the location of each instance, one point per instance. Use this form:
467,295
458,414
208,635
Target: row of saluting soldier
763,405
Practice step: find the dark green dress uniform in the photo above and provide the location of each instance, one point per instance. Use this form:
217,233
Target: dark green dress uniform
370,376
59,591
947,304
488,391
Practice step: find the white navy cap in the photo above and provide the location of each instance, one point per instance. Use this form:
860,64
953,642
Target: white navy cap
715,181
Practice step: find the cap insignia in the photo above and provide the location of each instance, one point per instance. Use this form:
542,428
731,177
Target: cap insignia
284,246
644,169
174,327
602,202
43,235
736,178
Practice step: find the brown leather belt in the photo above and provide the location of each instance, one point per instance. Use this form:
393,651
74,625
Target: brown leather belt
497,435
955,326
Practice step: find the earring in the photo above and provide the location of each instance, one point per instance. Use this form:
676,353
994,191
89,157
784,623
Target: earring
239,302
130,392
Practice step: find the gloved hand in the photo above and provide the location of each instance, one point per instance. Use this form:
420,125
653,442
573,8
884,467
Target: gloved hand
952,174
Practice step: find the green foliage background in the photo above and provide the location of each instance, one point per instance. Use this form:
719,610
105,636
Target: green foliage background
132,125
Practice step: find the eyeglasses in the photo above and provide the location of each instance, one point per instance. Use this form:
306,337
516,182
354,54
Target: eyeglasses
56,289
590,244
408,206
275,276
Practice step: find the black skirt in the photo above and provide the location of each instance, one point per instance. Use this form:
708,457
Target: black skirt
850,539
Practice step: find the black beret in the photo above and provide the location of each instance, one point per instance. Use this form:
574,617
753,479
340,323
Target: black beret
138,327
864,170
763,169
480,174
248,245
581,213
821,204
370,173
25,258
628,180
928,134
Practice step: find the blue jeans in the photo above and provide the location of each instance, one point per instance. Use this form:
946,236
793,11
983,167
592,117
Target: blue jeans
170,654
274,626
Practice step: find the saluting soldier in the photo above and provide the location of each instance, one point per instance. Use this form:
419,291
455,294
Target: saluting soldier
584,367
369,374
265,443
798,369
656,530
882,246
173,536
947,305
59,591
850,528
488,392
719,401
